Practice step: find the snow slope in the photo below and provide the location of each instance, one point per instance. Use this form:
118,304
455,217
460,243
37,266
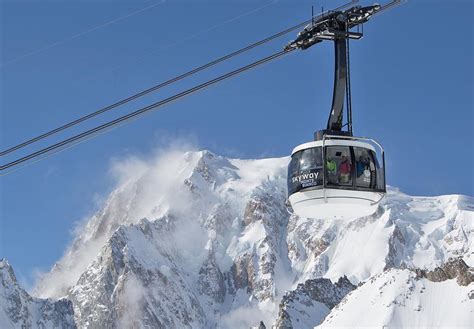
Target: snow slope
398,299
196,240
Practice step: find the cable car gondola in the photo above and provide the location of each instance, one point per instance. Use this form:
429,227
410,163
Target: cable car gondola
337,175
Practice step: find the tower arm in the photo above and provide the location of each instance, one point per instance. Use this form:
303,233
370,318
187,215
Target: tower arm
340,82
338,26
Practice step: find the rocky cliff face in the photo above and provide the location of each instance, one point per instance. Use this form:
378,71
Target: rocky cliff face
19,310
195,240
311,302
453,269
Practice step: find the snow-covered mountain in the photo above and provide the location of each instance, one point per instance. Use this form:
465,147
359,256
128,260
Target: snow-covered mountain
400,299
193,239
19,310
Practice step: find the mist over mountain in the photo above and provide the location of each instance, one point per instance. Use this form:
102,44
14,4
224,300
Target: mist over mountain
197,240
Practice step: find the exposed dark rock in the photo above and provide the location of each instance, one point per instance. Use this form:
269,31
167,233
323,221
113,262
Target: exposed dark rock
454,269
242,272
310,294
395,249
211,280
254,211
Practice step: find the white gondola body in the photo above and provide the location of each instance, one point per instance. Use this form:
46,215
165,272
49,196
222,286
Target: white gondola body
339,202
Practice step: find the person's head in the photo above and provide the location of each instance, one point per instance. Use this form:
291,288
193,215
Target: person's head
344,158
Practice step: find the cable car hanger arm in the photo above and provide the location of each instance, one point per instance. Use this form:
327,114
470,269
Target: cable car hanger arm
336,26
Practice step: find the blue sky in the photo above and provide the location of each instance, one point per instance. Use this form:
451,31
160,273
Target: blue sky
412,88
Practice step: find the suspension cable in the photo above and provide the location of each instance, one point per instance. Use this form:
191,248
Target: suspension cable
154,88
133,115
166,83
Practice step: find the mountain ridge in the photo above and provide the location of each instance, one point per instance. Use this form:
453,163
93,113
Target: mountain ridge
193,239
19,309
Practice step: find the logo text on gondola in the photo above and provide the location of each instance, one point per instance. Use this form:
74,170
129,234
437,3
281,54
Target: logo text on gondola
309,179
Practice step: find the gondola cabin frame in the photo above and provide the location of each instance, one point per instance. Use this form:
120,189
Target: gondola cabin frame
320,185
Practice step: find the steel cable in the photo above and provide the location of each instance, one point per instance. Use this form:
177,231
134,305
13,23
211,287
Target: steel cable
163,84
133,115
149,90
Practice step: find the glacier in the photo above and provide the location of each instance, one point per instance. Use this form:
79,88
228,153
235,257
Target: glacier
197,240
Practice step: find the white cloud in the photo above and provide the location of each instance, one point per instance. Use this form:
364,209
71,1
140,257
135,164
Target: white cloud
131,301
144,187
247,317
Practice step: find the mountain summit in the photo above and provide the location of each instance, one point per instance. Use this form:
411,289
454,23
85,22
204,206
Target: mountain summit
196,240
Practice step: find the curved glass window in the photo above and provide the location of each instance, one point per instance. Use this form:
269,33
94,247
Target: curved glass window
305,170
366,167
380,173
339,168
353,167
344,167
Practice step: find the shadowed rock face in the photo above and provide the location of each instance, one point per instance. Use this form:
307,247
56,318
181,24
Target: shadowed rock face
453,269
20,310
311,301
124,289
212,281
395,249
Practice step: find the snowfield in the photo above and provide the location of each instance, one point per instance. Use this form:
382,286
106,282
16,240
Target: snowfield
397,299
196,240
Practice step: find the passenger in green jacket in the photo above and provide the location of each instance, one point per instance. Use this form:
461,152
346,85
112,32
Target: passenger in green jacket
331,165
331,168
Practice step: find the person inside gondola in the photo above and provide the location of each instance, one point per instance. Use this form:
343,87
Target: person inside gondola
331,170
361,165
344,170
373,175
